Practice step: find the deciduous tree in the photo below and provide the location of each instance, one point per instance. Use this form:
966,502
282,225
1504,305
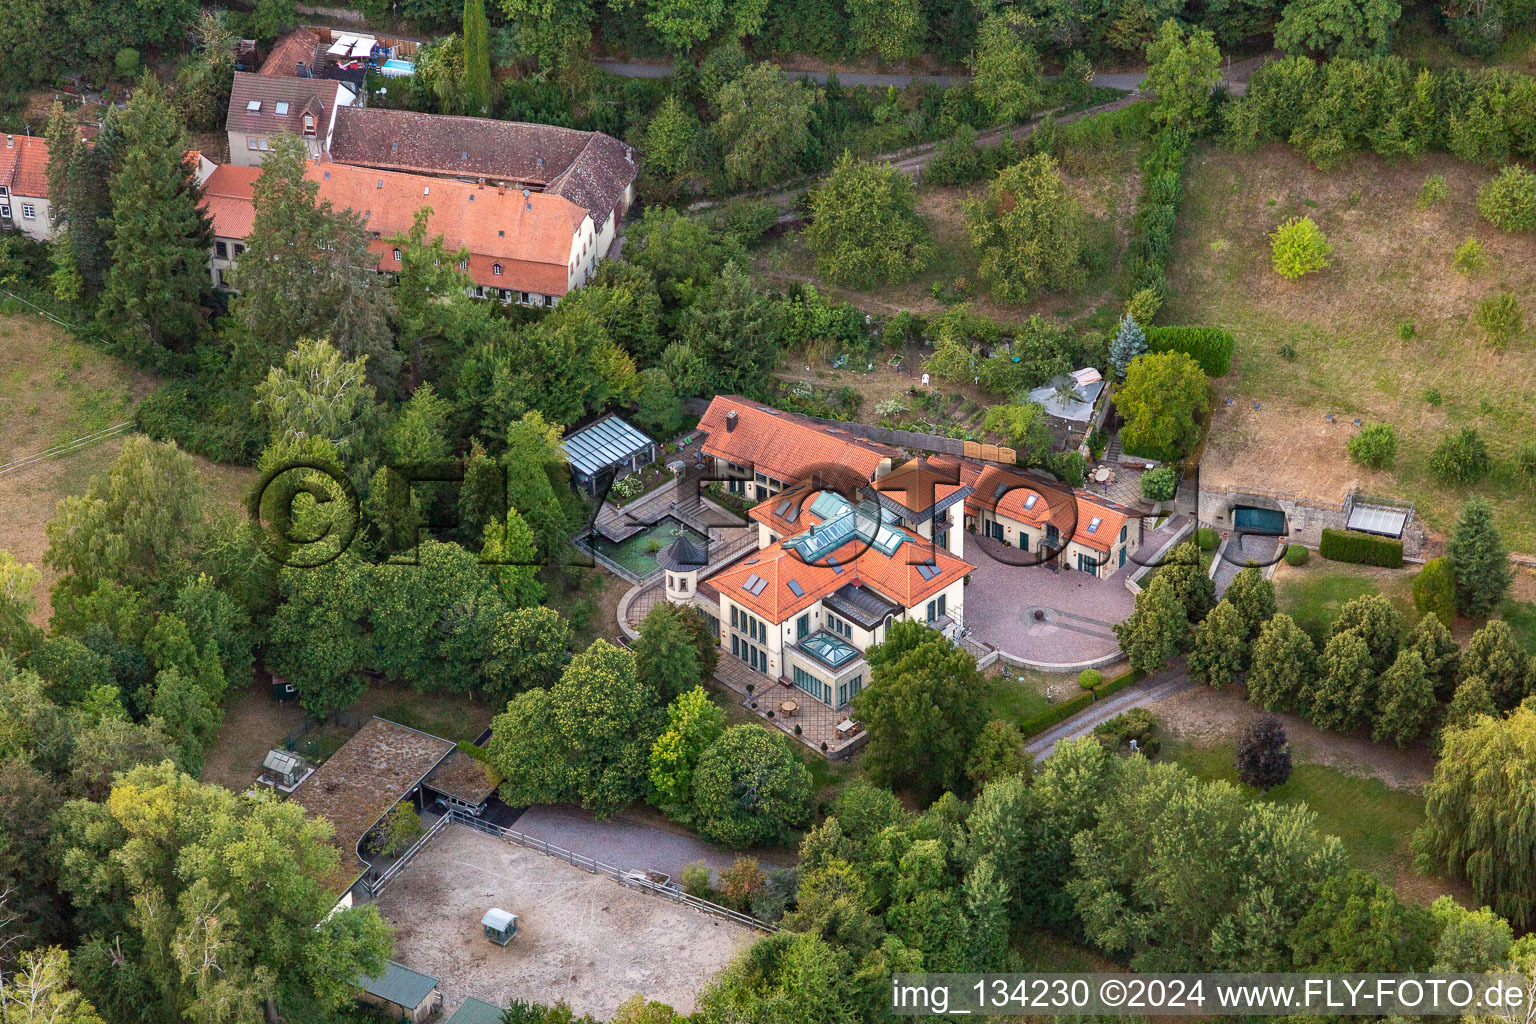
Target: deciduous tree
1344,695
1337,28
864,226
1500,660
1156,628
1182,69
1164,401
749,788
1406,703
1379,624
1028,231
693,725
1263,755
1005,69
1219,645
923,709
665,656
763,125
1433,642
1284,662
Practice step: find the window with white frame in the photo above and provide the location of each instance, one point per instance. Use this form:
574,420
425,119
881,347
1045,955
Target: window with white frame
28,211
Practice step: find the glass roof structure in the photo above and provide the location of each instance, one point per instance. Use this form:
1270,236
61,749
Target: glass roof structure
608,442
1387,522
828,649
841,523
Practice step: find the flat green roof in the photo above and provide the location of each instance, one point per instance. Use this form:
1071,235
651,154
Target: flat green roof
400,985
476,1011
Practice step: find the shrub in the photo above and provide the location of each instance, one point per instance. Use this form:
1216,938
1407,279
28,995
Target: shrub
1263,756
1159,484
1089,678
1501,319
1211,347
742,881
1432,397
1406,330
1461,458
1468,256
1508,202
1434,590
1298,247
695,879
1135,724
1143,306
864,227
1374,445
1434,190
1361,548
1296,555
1117,684
1207,538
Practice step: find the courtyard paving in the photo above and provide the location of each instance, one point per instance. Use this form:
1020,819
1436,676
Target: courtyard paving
1077,611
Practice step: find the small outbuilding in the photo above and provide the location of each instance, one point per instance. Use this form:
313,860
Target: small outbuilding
601,452
402,992
499,925
476,1011
283,770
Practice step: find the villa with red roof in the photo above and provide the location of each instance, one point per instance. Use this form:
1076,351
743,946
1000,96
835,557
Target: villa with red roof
854,535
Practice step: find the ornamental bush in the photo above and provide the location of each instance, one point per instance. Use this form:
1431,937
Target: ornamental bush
1207,538
1297,555
1374,446
1461,458
1159,484
1434,590
1501,319
1088,678
1298,247
1508,202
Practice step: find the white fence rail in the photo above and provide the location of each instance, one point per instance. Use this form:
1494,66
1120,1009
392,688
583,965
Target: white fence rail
66,448
377,885
597,867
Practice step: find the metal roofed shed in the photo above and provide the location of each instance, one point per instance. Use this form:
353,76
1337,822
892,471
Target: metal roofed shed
500,926
600,452
411,994
476,1011
1377,519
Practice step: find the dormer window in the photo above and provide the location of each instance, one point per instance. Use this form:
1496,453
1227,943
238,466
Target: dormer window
309,124
397,255
496,269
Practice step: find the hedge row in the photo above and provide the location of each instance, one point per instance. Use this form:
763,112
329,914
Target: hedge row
1056,713
1162,186
1117,684
1211,347
1361,548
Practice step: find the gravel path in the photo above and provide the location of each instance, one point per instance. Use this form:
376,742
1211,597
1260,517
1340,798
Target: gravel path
625,845
1149,691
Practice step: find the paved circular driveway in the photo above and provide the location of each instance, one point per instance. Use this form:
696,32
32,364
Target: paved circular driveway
1039,615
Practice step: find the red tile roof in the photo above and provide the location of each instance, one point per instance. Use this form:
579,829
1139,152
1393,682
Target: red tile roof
529,237
785,446
1005,492
316,95
590,169
921,483
895,577
24,166
285,57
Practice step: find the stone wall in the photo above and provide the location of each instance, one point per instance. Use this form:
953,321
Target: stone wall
1305,519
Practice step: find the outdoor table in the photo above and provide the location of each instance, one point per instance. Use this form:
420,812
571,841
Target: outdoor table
790,707
1101,474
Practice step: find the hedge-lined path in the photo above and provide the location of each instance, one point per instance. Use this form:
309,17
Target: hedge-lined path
1150,690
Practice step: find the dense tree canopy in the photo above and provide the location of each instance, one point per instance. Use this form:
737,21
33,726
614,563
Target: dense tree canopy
864,226
1028,231
1164,401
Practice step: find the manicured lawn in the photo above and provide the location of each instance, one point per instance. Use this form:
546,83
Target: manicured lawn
1314,594
1021,694
1374,822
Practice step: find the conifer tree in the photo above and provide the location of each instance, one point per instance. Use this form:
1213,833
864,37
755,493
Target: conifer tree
1407,700
159,238
1284,663
1480,562
1130,341
1220,642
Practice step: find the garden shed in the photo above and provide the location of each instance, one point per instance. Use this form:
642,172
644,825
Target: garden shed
401,991
283,770
601,452
476,1011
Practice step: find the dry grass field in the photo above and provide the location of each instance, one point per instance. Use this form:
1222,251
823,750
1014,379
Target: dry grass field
54,389
1333,342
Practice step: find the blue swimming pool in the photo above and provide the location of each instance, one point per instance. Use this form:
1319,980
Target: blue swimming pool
399,67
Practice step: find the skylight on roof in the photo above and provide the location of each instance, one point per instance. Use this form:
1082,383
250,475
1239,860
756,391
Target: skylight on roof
928,570
757,588
1029,502
796,589
281,108
751,582
783,507
253,106
1093,524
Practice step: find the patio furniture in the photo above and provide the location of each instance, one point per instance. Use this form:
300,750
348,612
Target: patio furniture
790,707
1101,475
847,727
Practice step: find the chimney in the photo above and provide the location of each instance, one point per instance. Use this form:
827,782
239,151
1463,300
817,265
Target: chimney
300,72
501,188
730,421
10,142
